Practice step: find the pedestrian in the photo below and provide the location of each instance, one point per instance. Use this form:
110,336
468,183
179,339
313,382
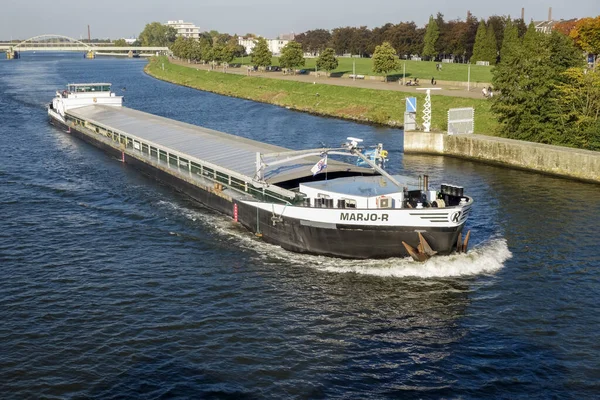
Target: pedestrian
432,81
484,92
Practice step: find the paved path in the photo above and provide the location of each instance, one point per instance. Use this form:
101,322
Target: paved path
447,89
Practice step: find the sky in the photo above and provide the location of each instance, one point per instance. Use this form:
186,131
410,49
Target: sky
126,18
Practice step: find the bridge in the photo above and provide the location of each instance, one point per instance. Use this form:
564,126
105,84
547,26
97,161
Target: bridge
60,43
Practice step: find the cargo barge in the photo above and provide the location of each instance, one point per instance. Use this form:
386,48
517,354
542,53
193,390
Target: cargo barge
303,201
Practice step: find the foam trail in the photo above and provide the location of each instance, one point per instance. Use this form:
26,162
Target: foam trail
486,258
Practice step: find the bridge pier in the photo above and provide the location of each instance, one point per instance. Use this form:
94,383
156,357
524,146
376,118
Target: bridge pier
12,54
90,55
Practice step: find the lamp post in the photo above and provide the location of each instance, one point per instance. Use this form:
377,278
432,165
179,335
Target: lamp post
469,78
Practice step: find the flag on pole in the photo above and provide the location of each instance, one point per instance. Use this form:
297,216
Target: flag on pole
319,166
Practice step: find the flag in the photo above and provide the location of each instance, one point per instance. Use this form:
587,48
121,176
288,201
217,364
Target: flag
320,166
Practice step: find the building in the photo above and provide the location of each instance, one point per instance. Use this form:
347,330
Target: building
548,25
275,45
185,29
545,26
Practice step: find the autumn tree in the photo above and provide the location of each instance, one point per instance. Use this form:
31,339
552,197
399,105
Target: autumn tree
431,36
565,27
586,34
291,55
385,60
261,55
327,60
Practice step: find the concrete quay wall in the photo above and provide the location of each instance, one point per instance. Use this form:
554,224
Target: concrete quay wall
555,160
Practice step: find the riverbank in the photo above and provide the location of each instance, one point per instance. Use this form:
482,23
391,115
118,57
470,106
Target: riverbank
554,160
352,103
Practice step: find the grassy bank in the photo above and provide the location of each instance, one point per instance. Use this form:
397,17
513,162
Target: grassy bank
364,105
424,70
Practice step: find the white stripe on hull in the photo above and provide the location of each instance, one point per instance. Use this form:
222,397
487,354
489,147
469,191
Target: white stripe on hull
410,217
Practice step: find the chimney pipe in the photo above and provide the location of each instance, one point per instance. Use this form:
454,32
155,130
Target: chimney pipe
89,37
550,14
523,14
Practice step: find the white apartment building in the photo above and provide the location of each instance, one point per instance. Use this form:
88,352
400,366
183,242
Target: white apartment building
185,29
275,45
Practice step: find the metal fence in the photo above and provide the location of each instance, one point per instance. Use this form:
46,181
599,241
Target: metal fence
461,120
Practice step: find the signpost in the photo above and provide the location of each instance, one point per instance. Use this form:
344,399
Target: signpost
410,114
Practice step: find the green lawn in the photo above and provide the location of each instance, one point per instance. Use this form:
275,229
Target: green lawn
367,105
424,70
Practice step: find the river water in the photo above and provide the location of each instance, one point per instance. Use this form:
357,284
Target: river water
115,286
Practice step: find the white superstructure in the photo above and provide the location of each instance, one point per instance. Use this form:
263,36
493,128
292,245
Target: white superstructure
81,95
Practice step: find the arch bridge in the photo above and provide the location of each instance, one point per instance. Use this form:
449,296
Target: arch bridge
61,43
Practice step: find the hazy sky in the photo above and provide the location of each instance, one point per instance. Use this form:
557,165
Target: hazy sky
126,18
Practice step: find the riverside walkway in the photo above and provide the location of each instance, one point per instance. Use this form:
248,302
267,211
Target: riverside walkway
449,88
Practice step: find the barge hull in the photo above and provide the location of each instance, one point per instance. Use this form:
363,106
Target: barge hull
292,234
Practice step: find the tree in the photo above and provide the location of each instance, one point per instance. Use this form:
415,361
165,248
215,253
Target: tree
579,102
314,41
291,55
526,79
490,47
195,51
479,49
183,48
384,59
157,34
511,40
586,34
497,23
404,37
442,45
470,36
261,55
565,27
327,60
431,36
340,40
222,53
359,41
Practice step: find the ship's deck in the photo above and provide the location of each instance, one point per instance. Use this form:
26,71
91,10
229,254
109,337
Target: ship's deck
225,150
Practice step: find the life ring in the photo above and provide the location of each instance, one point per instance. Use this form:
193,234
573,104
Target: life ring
95,100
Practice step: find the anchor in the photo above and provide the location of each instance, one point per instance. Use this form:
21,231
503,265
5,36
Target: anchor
424,252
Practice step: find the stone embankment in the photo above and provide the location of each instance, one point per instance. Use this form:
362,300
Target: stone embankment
555,160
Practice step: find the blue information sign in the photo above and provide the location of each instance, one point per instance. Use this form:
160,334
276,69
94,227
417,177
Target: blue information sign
411,104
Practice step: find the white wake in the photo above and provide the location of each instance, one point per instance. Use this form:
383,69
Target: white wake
484,258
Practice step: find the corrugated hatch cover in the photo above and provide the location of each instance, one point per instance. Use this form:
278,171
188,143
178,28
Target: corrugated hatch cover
229,151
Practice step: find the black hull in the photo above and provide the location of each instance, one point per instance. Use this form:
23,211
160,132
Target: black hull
345,241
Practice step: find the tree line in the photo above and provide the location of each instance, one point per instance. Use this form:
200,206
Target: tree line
545,91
